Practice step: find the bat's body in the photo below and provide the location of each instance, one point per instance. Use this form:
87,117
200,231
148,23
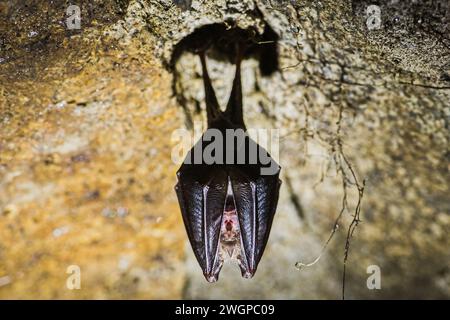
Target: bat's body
227,208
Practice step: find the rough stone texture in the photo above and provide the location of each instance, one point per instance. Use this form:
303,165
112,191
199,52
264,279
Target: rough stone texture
86,176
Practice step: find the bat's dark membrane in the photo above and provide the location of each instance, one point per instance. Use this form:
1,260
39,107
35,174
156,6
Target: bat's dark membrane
228,206
228,212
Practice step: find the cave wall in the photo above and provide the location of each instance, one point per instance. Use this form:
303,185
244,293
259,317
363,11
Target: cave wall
85,148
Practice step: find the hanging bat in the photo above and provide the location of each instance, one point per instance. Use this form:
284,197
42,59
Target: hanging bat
228,207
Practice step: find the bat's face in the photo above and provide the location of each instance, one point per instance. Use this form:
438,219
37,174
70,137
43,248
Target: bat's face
230,240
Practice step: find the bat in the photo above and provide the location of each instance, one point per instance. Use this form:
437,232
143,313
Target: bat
228,207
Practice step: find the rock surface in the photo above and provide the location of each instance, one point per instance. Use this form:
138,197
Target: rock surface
86,176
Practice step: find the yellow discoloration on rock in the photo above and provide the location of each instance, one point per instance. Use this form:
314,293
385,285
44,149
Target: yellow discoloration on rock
86,177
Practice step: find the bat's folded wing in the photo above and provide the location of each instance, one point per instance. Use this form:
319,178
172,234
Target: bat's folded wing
201,192
256,198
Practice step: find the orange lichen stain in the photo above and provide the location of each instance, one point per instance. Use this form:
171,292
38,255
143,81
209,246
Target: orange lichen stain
86,179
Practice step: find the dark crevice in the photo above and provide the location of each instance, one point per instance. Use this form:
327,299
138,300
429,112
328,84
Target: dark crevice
293,197
220,39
